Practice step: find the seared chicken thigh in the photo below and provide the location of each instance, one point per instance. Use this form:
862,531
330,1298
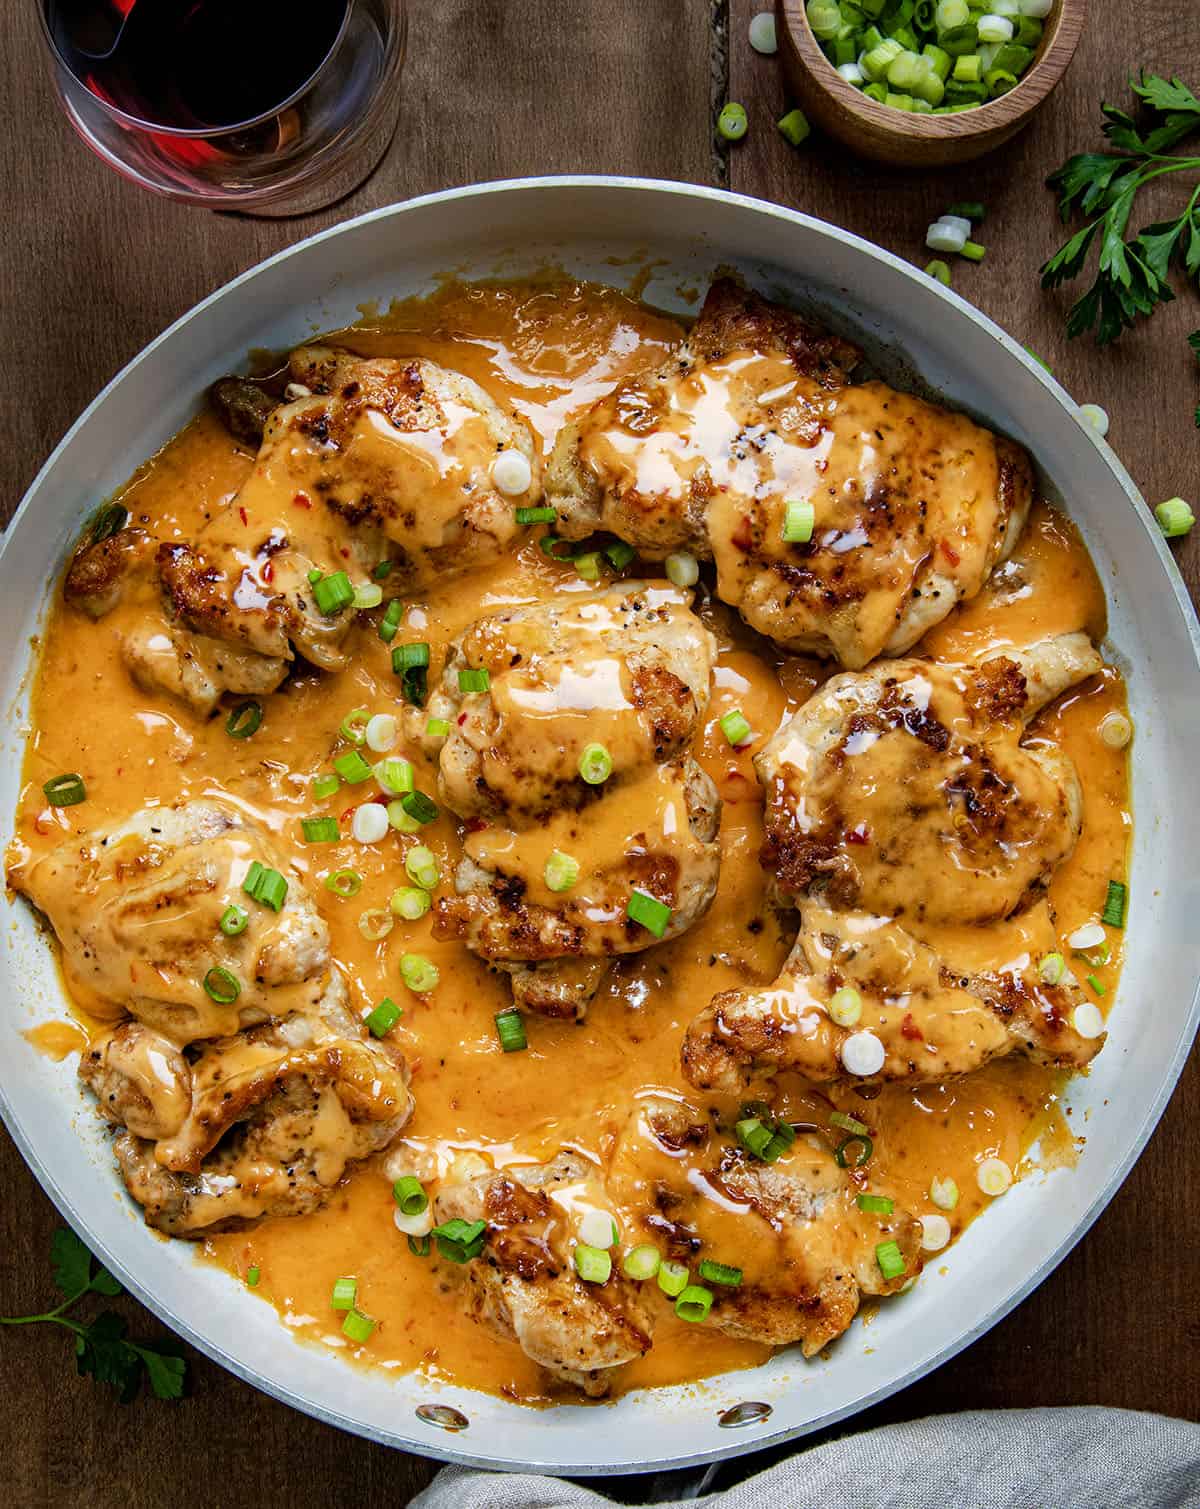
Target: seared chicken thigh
382,471
524,1284
136,908
916,834
626,672
898,509
265,1122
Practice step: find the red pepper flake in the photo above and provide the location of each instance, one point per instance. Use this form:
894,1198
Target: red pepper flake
268,571
462,718
859,835
909,1028
475,825
743,537
345,552
245,518
949,552
302,500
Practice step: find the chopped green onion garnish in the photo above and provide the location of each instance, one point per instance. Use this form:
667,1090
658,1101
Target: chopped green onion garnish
345,1292
369,595
265,885
1174,517
419,807
409,1194
108,521
588,565
732,122
735,728
878,1205
244,720
375,924
848,1123
971,209
939,270
410,655
410,903
383,571
973,251
474,681
1097,985
619,554
460,1240
390,621
536,516
943,1193
252,1276
593,1264
862,1148
641,1263
511,1031
845,1006
890,1259
561,871
595,764
399,819
794,127
549,543
419,974
325,785
649,912
222,986
419,1246
421,867
314,576
354,725
395,775
411,663
682,568
694,1303
719,1273
320,830
753,1135
234,920
357,1327
384,1017
437,728
1113,914
344,883
333,593
1052,968
352,768
798,521
65,790
672,1277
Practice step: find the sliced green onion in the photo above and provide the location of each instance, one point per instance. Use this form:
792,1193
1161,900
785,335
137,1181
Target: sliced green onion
399,818
460,1240
794,127
437,728
561,871
244,720
672,1277
549,543
1097,985
595,764
1052,969
510,1029
973,251
943,1193
252,1276
409,1194
233,920
1174,517
411,663
345,1292
845,1006
354,725
357,1327
222,986
265,885
863,1148
352,768
395,775
970,209
848,1123
65,790
320,830
474,681
879,1205
382,1019
1098,957
732,123
1113,914
419,974
369,595
383,571
798,521
641,1263
108,521
420,808
694,1303
390,622
735,728
412,655
375,924
648,912
588,565
939,270
344,883
314,576
682,568
325,785
536,516
619,554
890,1259
333,593
719,1273
421,867
410,903
593,1264
753,1135
419,1246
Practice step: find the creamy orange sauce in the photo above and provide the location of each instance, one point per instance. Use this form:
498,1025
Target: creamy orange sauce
546,352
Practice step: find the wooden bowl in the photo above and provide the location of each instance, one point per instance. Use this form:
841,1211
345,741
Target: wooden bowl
920,141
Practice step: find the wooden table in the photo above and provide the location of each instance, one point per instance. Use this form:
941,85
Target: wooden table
91,269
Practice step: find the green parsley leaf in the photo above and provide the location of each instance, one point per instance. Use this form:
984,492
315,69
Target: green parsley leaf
70,1262
164,1371
102,1351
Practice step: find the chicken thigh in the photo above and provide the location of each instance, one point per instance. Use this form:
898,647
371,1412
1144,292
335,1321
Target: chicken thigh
844,520
380,473
626,673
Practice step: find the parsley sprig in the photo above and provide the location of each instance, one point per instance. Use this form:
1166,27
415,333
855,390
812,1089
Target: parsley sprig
101,1346
1132,272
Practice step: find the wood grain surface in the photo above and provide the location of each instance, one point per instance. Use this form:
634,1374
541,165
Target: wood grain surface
91,268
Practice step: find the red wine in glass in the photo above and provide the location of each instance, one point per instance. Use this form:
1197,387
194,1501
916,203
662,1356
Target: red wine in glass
195,65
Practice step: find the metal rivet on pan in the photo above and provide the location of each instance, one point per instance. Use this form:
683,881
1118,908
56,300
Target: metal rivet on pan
446,1417
749,1412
